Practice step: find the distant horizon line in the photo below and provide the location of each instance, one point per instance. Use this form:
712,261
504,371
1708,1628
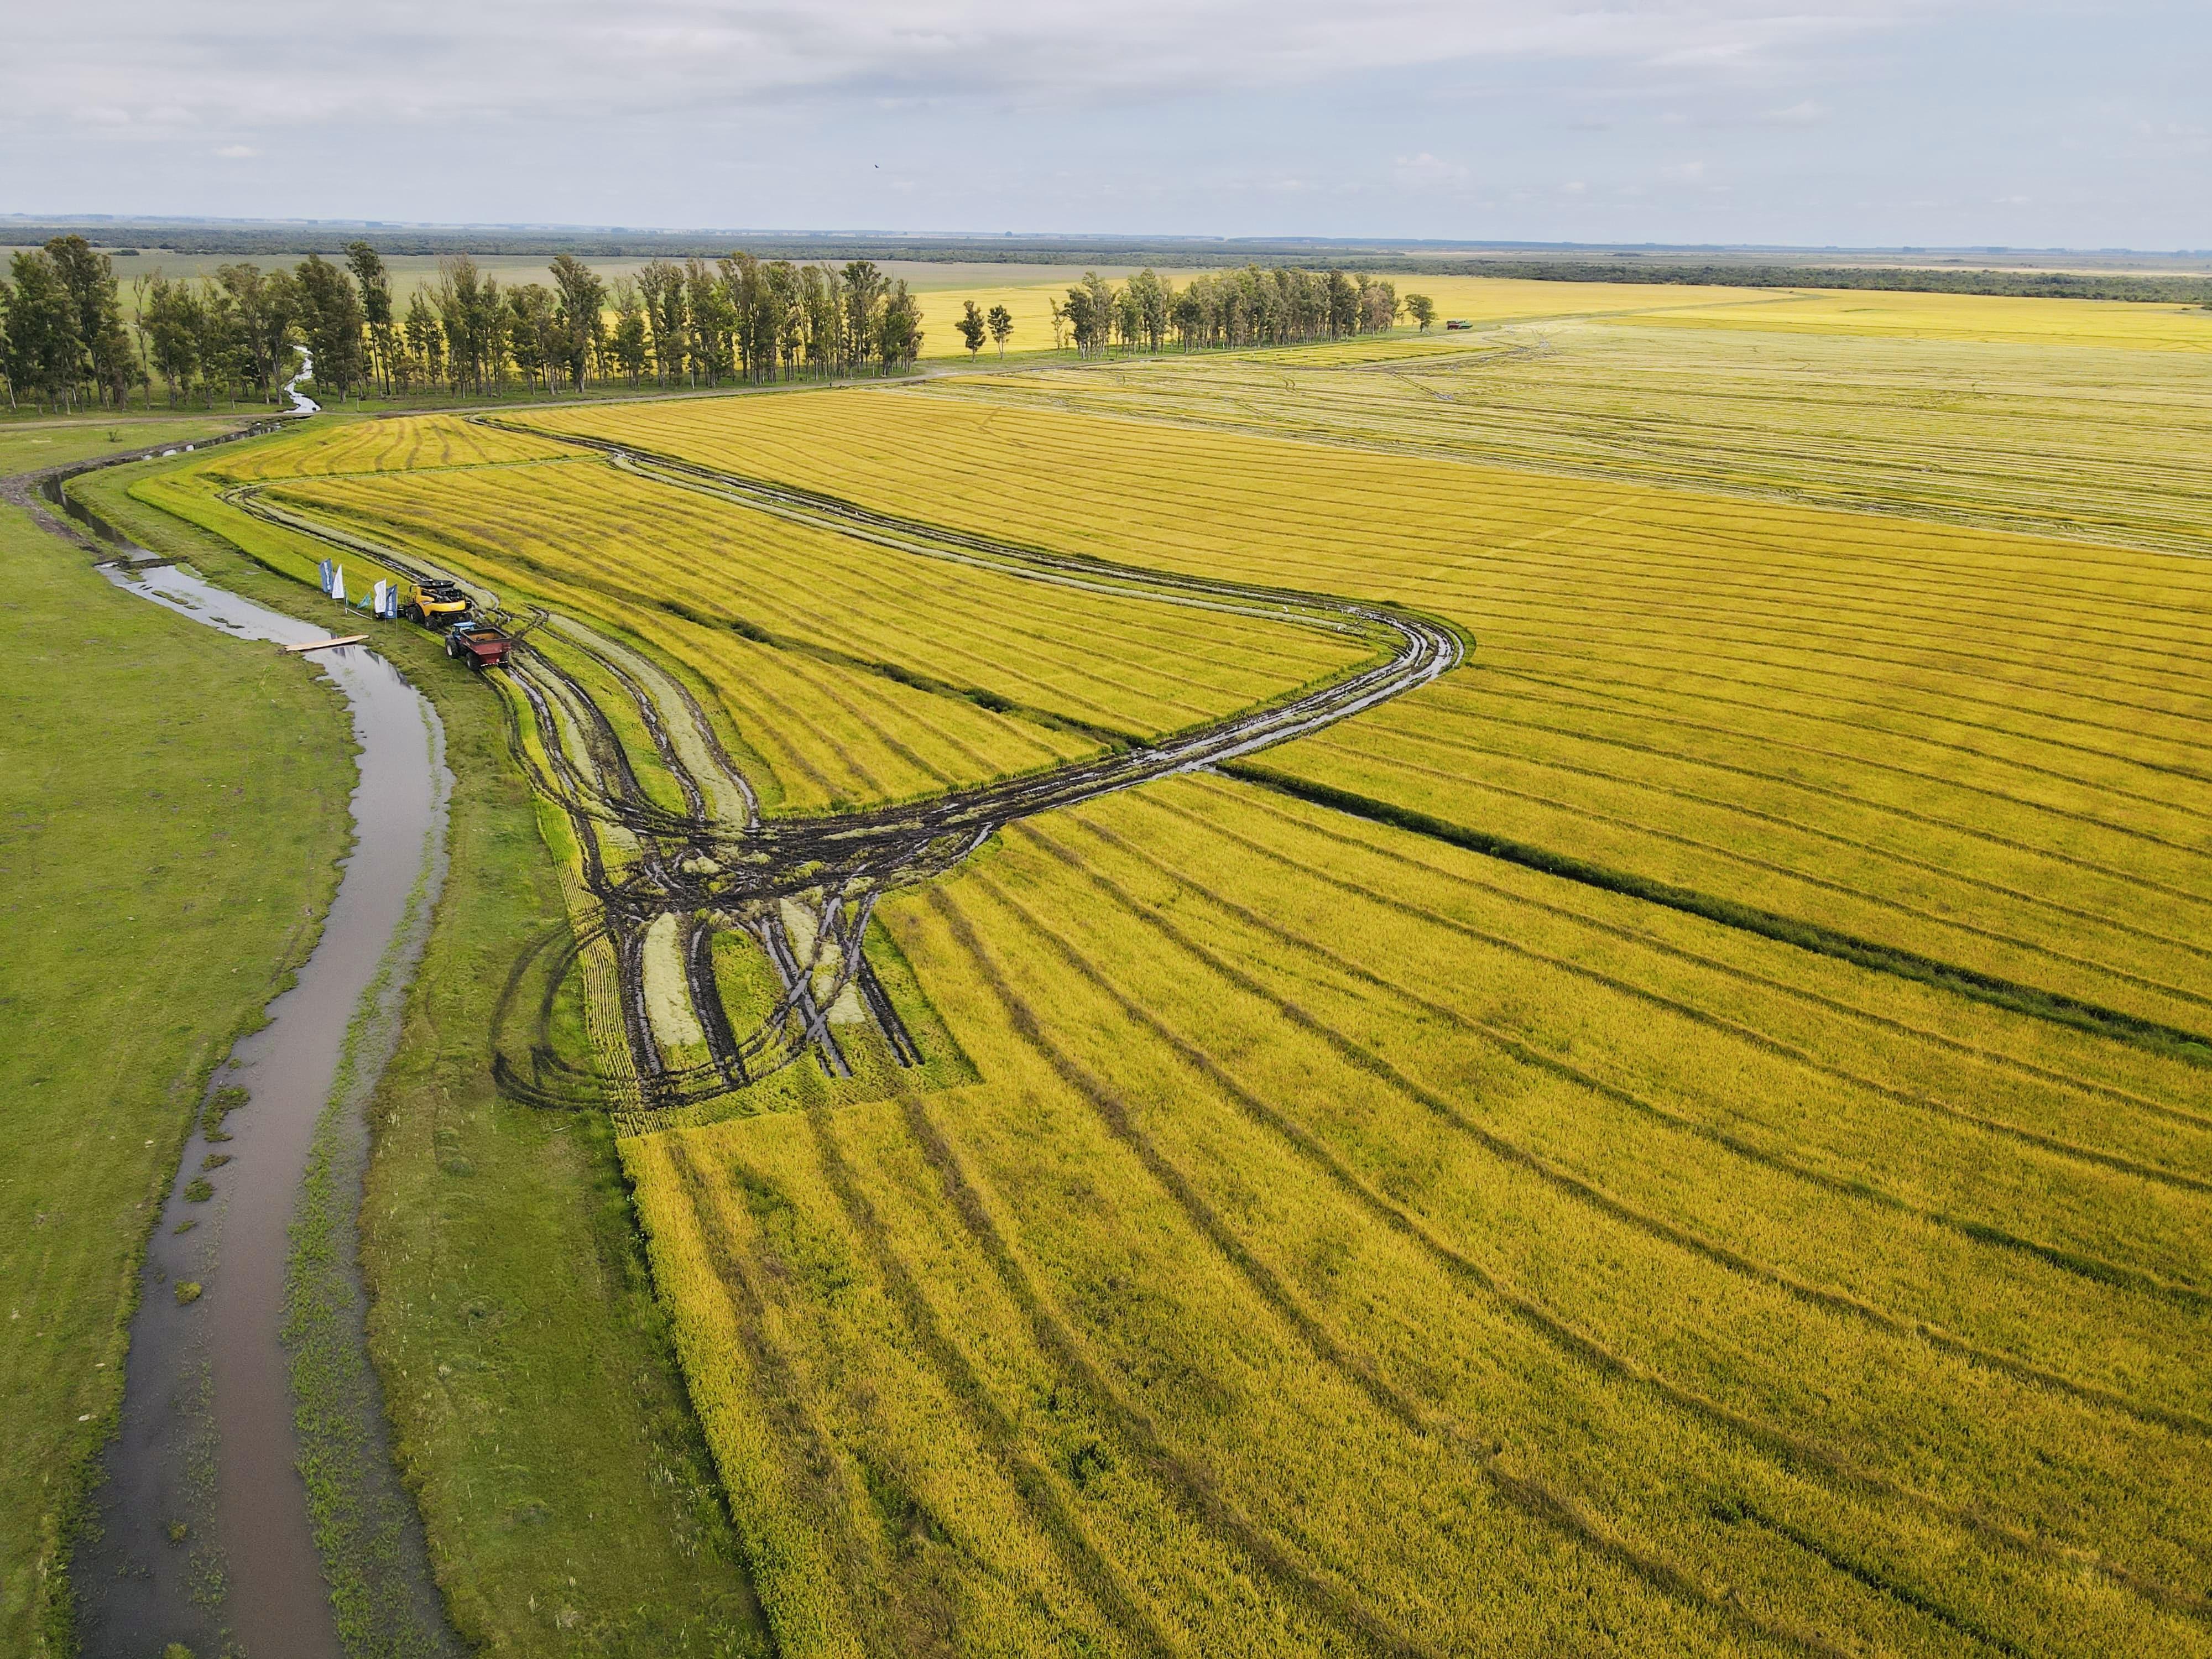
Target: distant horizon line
154,221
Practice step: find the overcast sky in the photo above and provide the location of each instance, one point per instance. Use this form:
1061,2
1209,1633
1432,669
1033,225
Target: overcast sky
1853,122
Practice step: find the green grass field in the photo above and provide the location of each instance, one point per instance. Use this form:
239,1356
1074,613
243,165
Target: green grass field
164,855
31,444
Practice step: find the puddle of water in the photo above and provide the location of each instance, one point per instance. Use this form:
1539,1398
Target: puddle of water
208,1442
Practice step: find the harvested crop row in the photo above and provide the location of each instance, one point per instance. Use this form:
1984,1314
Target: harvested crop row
2062,1081
831,735
1711,841
413,444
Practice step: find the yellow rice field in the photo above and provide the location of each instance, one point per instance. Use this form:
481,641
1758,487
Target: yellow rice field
1479,300
2075,435
1691,1134
855,673
1340,1205
1983,749
1356,1247
418,443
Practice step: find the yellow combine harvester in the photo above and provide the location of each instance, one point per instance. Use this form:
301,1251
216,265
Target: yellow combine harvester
438,604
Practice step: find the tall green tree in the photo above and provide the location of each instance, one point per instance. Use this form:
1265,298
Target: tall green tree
488,327
1152,308
900,335
757,321
264,312
331,321
973,329
1089,314
822,292
631,349
103,345
1001,322
170,321
787,292
583,304
1422,309
865,287
1378,305
426,340
376,285
660,285
6,353
43,347
712,345
1343,302
473,318
537,334
222,342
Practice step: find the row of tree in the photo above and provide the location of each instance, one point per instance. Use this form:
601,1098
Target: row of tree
1281,305
64,339
61,338
66,342
693,323
232,334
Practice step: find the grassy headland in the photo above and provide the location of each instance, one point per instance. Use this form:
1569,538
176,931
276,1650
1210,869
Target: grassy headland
172,805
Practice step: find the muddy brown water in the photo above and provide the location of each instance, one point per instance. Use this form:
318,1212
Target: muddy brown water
207,1443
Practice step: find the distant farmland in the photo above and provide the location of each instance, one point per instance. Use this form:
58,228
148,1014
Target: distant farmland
1690,1132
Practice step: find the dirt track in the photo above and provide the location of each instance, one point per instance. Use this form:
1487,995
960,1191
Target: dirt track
719,870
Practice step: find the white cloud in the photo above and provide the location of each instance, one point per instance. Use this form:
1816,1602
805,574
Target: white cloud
1434,117
1427,172
323,61
2171,138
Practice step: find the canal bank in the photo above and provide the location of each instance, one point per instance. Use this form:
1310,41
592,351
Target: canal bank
203,1529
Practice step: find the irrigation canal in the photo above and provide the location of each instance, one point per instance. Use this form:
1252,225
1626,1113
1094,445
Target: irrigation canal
207,1443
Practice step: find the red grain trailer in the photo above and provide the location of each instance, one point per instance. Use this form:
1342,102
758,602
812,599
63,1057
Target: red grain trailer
479,645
